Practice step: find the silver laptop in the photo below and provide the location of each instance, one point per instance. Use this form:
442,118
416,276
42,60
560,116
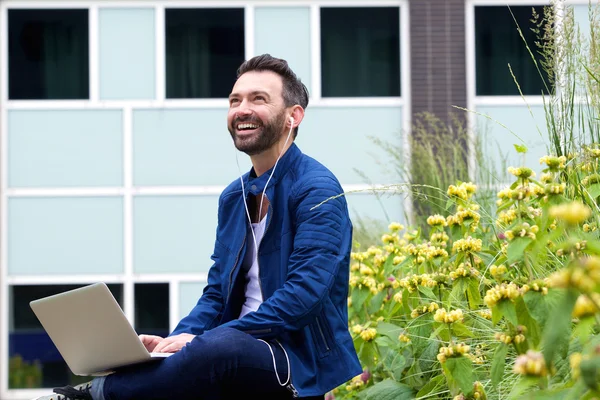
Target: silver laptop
90,330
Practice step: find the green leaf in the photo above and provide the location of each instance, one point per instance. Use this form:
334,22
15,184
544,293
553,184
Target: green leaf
584,328
384,341
367,354
523,384
537,305
428,355
557,331
388,267
498,363
496,314
516,248
388,390
376,302
461,330
390,330
508,310
594,190
461,370
359,296
473,293
590,372
520,148
459,286
427,292
395,363
431,386
525,319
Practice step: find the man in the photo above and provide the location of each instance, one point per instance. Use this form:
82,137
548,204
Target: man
273,325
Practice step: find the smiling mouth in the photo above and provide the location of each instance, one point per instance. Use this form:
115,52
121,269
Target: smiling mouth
247,127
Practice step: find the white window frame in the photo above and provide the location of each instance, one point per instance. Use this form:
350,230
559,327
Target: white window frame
473,100
128,191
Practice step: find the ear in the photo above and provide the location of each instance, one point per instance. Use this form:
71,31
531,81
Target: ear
297,112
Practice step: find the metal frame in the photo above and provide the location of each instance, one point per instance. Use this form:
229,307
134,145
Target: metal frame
127,191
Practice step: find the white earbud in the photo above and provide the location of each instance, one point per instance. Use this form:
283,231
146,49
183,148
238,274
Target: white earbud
292,120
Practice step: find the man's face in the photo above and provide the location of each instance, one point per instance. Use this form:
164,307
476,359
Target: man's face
257,114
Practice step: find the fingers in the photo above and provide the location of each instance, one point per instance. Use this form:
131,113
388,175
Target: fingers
150,341
173,344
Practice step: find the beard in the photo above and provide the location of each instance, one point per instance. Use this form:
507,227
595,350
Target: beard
263,139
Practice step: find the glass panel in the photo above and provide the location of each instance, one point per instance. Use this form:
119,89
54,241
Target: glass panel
372,213
152,308
65,148
127,53
204,49
62,236
360,51
184,147
48,53
343,150
34,361
498,142
498,43
174,233
189,294
292,25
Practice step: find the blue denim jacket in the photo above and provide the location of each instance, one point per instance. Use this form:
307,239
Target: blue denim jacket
303,271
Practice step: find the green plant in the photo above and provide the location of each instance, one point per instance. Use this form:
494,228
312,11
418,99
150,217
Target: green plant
23,375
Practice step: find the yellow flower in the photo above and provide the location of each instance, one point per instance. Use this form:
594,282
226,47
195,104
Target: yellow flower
443,316
398,297
357,329
404,338
487,314
532,364
521,172
395,227
572,213
585,307
467,245
436,220
497,271
398,259
364,270
456,350
368,334
554,163
509,291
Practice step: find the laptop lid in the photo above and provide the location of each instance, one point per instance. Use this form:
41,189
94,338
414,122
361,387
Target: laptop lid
90,330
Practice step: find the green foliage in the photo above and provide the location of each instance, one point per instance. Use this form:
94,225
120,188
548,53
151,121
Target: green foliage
23,375
492,299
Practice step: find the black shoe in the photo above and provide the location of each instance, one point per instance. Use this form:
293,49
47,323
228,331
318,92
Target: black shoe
79,392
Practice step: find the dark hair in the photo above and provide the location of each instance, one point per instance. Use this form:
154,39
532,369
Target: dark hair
294,91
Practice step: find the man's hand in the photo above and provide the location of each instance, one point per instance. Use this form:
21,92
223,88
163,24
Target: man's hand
150,341
173,344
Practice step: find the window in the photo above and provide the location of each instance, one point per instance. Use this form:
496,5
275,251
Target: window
152,308
360,51
498,43
34,361
48,54
204,48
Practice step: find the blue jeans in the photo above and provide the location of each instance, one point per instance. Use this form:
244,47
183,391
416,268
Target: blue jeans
222,363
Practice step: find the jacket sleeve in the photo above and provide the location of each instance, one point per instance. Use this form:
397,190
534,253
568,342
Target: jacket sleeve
315,260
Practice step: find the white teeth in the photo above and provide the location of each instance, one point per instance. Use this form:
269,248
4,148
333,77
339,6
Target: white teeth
247,126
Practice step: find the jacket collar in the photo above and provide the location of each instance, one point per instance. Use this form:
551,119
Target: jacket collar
255,185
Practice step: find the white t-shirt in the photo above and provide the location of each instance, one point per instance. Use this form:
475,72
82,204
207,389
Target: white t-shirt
253,292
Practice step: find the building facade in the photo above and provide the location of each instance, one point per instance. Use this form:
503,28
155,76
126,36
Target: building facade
114,146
